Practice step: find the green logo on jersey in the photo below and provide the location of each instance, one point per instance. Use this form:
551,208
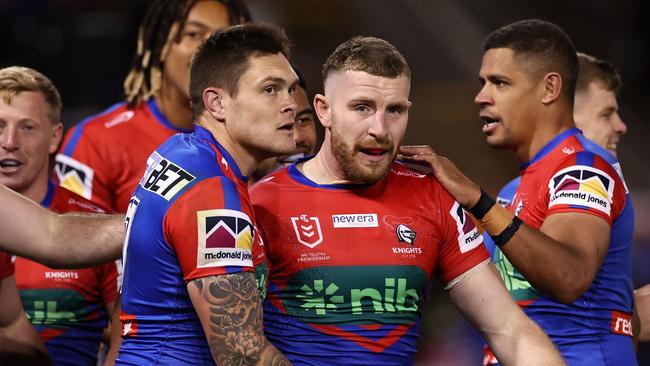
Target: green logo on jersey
261,276
520,289
57,308
356,294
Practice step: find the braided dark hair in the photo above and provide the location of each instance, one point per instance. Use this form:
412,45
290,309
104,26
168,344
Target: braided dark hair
161,26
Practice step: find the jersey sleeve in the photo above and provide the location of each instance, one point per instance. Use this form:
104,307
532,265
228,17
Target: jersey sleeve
585,183
209,234
6,266
107,277
461,249
82,168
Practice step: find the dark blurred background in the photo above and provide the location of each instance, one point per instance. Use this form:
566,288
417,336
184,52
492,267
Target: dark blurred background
85,47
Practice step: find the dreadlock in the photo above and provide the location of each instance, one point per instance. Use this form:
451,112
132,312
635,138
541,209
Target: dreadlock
161,26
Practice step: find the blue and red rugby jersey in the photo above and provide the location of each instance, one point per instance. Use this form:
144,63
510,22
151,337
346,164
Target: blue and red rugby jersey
190,217
351,266
104,156
67,306
573,174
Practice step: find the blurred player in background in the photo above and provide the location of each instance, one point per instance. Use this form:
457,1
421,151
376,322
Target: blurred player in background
69,307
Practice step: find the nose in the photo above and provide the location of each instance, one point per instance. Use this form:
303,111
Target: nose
378,127
619,126
9,139
482,97
289,104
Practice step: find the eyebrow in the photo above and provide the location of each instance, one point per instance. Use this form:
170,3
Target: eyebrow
278,80
302,112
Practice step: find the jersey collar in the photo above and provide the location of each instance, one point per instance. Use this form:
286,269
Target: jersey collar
49,195
299,177
203,134
550,146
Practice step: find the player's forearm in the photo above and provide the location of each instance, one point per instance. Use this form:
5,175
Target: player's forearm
82,240
231,314
68,240
20,343
525,345
551,267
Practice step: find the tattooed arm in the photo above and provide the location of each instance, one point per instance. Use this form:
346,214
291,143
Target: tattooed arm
230,310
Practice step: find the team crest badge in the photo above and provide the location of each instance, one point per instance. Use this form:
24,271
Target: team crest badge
405,234
307,229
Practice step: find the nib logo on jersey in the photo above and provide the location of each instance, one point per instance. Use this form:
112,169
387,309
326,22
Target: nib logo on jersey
582,186
225,238
163,177
362,294
74,175
468,235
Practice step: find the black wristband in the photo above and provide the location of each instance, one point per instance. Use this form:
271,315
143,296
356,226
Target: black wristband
508,232
483,205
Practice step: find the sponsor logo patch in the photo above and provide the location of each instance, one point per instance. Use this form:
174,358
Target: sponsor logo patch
582,186
468,235
74,175
163,177
225,238
621,323
355,220
307,229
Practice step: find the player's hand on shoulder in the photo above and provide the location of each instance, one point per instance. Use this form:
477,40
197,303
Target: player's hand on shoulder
455,182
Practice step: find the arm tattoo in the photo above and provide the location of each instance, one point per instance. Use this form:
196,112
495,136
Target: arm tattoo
236,333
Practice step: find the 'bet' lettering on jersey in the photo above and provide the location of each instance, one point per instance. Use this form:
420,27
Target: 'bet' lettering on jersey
67,306
189,218
573,174
350,267
103,157
163,177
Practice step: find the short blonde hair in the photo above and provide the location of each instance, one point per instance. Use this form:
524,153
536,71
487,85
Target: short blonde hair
17,79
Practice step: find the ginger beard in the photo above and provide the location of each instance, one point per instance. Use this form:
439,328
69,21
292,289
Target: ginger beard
353,159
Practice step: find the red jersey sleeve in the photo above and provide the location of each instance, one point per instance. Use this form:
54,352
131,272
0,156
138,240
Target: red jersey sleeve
107,276
85,171
586,183
461,248
209,238
6,266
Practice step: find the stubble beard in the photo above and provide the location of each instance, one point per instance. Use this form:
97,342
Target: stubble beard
352,169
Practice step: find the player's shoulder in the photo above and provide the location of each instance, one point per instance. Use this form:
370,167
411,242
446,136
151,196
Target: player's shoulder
64,200
192,153
410,178
271,181
117,121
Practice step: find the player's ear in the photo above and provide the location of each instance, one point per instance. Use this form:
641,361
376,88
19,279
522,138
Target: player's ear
214,103
552,83
323,110
57,135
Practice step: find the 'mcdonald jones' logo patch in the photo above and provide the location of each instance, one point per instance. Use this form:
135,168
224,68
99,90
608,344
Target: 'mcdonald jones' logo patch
225,238
74,175
582,186
468,235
